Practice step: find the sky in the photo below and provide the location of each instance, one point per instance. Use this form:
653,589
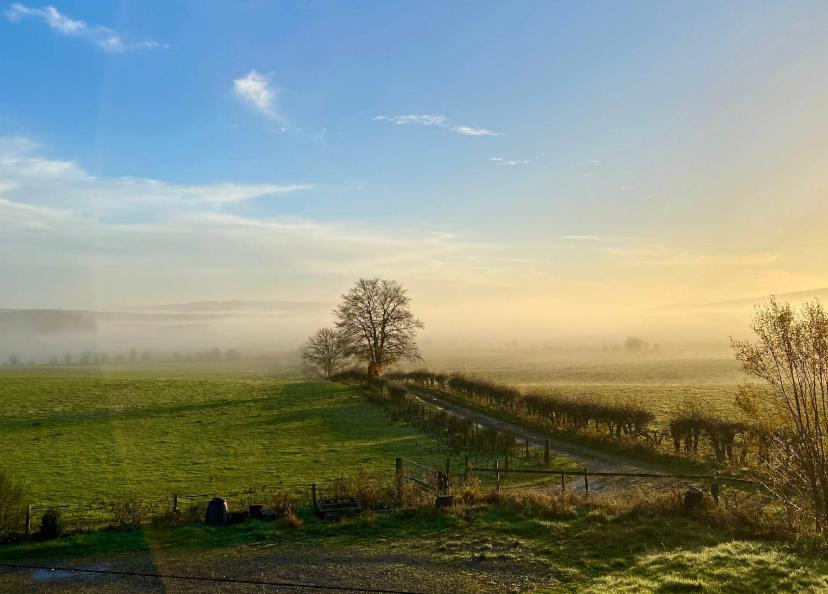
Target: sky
531,167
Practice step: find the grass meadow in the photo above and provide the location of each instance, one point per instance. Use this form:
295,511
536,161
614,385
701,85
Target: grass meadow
84,435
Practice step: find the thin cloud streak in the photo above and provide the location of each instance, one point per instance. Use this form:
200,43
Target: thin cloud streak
438,121
103,37
509,162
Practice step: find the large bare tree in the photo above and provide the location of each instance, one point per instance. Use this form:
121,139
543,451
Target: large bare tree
328,350
791,355
376,317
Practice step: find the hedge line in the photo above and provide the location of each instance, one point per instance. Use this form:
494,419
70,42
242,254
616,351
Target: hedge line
627,420
460,434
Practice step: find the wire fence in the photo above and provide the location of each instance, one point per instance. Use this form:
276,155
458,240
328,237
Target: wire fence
135,510
376,489
509,473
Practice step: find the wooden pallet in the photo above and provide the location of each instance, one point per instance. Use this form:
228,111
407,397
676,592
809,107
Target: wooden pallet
333,509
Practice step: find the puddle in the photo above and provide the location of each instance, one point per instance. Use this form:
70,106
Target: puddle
50,574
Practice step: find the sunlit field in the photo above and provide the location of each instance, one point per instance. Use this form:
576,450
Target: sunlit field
660,383
81,435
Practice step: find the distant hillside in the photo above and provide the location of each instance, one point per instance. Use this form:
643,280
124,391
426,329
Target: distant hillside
46,321
795,298
38,322
238,305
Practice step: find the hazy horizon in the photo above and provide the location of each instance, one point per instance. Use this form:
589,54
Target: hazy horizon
534,172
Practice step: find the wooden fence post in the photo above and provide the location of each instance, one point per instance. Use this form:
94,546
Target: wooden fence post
714,488
399,478
546,448
448,474
28,520
563,483
497,475
586,480
175,503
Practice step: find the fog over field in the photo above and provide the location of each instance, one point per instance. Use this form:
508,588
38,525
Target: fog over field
266,327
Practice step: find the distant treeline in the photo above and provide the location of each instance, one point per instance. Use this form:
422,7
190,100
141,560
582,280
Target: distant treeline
131,356
629,421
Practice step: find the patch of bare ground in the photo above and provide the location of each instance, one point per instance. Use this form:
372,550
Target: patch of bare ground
485,566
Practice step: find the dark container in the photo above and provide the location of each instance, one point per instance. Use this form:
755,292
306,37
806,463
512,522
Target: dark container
237,517
256,512
216,514
444,501
693,498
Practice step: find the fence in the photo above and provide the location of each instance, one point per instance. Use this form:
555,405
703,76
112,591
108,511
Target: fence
439,481
427,480
136,510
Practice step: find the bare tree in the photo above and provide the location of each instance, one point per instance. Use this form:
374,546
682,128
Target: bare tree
634,344
376,318
791,354
328,350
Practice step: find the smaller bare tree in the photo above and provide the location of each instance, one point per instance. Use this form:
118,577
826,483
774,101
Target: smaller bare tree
791,355
328,350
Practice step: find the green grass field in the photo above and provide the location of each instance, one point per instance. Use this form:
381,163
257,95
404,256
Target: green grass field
86,434
70,438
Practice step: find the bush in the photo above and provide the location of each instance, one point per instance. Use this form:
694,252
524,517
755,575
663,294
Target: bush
129,512
293,521
372,491
12,505
51,524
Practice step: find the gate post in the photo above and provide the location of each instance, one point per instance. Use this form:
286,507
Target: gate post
497,475
546,448
399,478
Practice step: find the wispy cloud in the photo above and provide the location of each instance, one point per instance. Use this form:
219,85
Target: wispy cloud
509,162
581,237
254,90
29,177
421,119
473,131
76,222
103,37
437,121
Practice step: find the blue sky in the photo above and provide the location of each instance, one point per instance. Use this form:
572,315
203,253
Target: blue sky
518,149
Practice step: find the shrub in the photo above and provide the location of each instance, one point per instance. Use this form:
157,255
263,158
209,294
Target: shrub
280,501
372,491
11,505
129,511
292,520
51,524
